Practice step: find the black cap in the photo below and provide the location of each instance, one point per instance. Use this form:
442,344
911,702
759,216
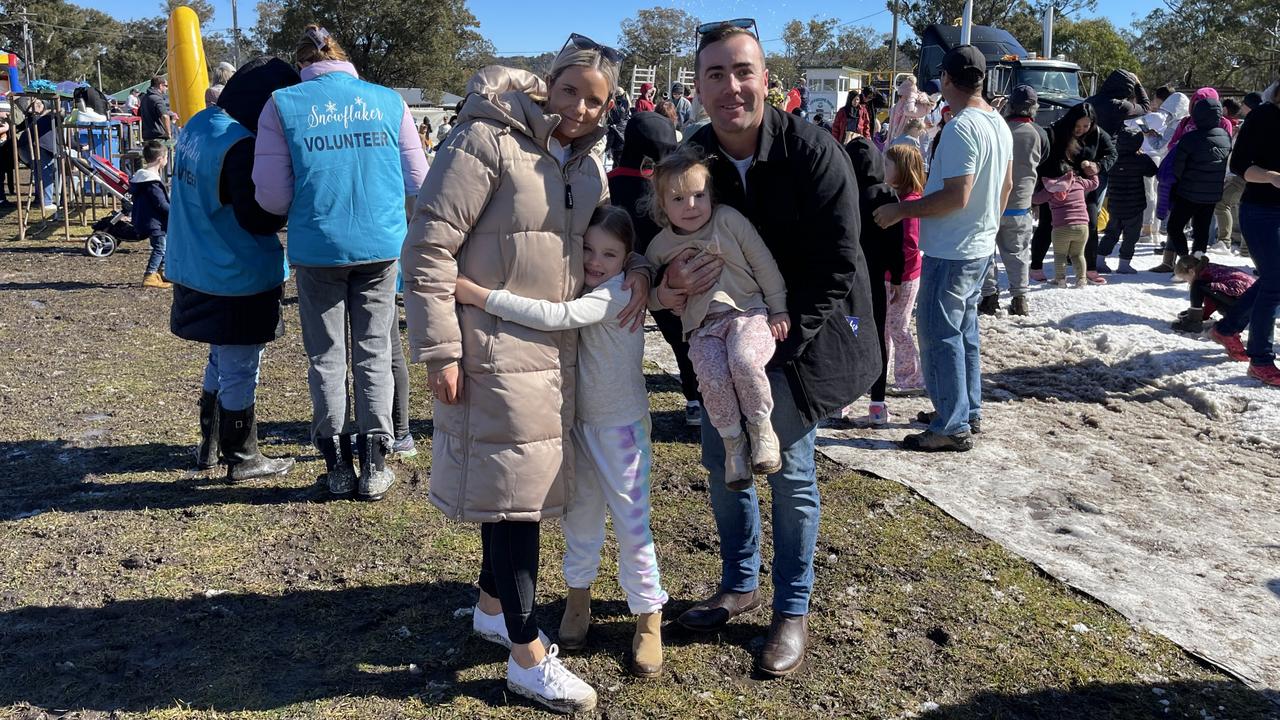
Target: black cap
1023,98
963,61
1252,100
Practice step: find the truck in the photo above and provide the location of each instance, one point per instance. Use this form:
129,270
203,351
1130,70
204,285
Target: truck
1057,81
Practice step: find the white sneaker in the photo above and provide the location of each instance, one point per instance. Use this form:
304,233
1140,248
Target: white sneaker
494,628
552,684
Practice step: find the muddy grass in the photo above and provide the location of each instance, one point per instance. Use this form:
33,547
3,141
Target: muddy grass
130,587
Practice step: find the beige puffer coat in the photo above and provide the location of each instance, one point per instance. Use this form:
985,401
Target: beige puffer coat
494,207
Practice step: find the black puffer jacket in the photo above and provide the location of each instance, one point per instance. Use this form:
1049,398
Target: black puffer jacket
1119,98
1200,160
251,319
802,197
649,135
1126,191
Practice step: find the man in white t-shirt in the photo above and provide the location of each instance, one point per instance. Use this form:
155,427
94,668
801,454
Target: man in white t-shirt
969,183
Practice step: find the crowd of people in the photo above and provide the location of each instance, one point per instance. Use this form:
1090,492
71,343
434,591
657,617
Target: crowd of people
782,257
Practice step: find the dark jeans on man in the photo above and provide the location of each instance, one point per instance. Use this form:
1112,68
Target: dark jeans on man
1200,215
1130,228
509,572
1256,309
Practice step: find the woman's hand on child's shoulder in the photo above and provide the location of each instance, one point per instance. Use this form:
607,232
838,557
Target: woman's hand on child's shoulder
780,325
468,293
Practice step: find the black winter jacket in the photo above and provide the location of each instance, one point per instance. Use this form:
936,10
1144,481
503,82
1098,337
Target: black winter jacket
649,135
1126,189
1256,145
1113,104
1200,159
802,198
150,203
1095,145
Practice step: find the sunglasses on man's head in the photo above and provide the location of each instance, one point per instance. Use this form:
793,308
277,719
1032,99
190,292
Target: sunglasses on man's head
743,23
582,42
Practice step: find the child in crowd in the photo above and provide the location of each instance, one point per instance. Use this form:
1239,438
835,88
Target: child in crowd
1213,287
610,435
912,134
151,208
1126,198
904,171
732,328
1065,195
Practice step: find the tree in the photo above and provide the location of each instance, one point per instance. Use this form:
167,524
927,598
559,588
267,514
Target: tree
809,43
657,36
919,14
202,8
427,44
1193,43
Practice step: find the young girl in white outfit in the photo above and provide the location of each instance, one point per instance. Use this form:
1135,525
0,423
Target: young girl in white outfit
610,435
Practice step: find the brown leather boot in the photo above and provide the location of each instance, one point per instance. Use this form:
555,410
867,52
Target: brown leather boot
646,646
785,645
714,612
576,620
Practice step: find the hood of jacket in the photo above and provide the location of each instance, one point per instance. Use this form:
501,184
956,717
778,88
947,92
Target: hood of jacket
145,175
515,98
644,89
648,135
1119,85
1128,141
1177,105
248,90
1059,184
1207,113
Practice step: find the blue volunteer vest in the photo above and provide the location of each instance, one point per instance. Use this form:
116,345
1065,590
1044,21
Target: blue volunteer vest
348,192
208,250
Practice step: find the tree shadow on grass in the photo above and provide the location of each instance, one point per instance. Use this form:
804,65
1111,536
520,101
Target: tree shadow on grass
1118,701
62,285
245,651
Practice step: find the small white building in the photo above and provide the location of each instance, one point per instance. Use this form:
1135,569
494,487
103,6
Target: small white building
830,86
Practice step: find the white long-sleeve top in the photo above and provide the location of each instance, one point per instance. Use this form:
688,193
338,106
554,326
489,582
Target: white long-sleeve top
610,391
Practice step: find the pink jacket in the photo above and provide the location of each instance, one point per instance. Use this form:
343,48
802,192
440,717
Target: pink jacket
1065,196
274,180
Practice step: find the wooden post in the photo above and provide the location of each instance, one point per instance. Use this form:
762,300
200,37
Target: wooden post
17,179
66,167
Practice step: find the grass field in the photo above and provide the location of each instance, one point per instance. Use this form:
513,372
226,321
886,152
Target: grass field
130,587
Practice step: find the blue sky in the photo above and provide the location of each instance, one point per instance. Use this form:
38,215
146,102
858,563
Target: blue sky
513,29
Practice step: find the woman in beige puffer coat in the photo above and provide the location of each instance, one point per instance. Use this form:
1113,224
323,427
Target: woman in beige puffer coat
507,203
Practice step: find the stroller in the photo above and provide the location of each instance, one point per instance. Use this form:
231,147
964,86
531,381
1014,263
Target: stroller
111,231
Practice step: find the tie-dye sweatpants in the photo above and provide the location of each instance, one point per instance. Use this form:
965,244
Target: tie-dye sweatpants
612,471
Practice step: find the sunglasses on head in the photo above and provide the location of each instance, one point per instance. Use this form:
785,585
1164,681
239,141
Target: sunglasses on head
582,42
743,23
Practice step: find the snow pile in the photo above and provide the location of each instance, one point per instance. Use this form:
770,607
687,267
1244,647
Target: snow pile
1136,464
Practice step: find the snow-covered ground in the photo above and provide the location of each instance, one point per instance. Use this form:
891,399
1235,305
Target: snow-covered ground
1136,464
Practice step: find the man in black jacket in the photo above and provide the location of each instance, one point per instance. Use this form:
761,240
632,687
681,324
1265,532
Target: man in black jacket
795,184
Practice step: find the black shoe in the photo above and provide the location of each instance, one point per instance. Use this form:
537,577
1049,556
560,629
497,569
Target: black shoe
990,305
238,438
207,452
375,477
927,418
930,441
339,464
1019,306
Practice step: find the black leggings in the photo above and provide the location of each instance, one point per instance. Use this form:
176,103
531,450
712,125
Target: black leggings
879,310
509,572
1199,215
673,332
400,373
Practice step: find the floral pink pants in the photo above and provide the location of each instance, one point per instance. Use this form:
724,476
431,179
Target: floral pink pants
897,335
729,353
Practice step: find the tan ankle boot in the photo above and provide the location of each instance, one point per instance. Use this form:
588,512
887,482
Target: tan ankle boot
576,620
646,646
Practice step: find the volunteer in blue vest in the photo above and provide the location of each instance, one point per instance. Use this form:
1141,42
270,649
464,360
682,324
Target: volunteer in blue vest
342,158
227,266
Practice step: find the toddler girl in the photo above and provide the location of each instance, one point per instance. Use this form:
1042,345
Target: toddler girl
610,435
1065,195
732,328
1214,288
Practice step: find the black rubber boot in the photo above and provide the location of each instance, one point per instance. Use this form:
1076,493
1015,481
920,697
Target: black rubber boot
239,439
1018,306
375,477
339,464
207,452
990,305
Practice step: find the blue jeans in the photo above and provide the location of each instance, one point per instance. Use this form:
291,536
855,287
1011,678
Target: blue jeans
796,508
232,373
1256,309
49,178
157,253
947,323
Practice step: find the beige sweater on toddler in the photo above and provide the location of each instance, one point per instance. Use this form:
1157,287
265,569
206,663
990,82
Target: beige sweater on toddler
750,279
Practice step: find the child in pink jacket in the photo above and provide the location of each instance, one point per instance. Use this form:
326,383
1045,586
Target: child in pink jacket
1065,195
